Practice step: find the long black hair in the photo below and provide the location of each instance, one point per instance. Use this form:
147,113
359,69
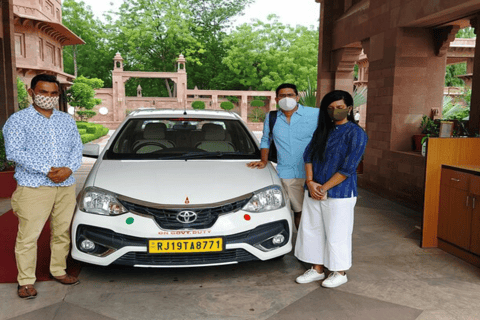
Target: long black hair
326,124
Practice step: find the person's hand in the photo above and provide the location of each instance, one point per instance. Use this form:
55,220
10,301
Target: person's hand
58,175
257,164
315,190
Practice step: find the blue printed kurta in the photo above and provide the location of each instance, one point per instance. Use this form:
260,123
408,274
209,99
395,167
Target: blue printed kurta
37,143
345,147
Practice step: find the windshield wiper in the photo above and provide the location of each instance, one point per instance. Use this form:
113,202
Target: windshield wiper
200,155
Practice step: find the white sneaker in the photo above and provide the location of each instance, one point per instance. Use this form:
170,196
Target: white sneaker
335,279
310,275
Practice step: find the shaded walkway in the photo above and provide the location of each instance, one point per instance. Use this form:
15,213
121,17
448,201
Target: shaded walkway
391,278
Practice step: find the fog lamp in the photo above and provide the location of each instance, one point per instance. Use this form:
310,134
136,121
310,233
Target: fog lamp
87,245
278,239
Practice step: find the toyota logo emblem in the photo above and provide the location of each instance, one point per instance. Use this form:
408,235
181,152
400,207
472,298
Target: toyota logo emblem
186,216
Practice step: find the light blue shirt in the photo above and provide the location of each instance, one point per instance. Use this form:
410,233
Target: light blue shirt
291,140
37,143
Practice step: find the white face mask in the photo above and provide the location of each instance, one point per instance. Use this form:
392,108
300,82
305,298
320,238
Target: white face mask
45,102
287,104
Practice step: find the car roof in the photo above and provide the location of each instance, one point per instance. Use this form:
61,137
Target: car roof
177,113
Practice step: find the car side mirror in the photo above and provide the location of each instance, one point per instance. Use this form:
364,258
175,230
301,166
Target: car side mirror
91,150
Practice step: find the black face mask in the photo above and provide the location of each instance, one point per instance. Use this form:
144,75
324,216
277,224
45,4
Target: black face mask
338,114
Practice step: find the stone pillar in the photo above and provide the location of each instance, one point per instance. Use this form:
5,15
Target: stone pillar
344,62
474,121
244,107
215,104
329,12
118,86
8,84
273,104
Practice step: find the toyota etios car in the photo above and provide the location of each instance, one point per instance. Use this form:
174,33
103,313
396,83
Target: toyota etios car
172,189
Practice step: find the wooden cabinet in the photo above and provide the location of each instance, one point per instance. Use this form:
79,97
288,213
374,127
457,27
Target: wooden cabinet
475,231
459,209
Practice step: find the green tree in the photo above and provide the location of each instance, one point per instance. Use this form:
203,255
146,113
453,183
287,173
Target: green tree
22,95
227,105
82,94
451,73
467,32
151,34
94,59
261,55
198,105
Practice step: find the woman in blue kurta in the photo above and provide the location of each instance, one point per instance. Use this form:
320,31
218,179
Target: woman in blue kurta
331,159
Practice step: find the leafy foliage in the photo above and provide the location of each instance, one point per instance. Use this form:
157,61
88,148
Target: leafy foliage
22,95
198,105
308,97
257,103
4,164
91,131
456,111
257,115
452,71
263,55
232,99
82,94
359,96
429,126
227,105
467,32
94,58
151,34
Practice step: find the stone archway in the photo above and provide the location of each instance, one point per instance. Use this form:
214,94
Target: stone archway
120,77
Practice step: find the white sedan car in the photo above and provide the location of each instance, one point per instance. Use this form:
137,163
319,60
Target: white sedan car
172,189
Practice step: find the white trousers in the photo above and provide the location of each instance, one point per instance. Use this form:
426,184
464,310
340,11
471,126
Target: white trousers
325,232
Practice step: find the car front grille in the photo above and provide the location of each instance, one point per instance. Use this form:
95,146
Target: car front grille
167,218
142,258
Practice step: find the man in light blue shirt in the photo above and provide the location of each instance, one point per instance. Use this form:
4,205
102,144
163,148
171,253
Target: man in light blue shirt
291,134
46,147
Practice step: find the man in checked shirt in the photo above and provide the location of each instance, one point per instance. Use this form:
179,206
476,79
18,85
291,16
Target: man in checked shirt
46,147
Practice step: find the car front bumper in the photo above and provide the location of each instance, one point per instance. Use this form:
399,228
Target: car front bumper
118,240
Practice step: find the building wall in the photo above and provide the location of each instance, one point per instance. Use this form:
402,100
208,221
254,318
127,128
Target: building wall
42,9
405,79
36,50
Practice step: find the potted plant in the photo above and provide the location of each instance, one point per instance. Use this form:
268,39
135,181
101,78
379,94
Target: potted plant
7,170
429,127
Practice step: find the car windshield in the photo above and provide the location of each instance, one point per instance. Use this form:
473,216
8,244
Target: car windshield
174,138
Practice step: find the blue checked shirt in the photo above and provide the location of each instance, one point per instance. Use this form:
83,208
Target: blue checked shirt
291,140
345,147
37,143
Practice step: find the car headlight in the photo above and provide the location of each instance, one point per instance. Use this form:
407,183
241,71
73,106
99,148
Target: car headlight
270,198
96,200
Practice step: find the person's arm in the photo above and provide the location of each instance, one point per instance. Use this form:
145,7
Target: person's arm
264,147
59,175
15,146
313,187
75,158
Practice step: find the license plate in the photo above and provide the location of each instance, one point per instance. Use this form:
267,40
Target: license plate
185,245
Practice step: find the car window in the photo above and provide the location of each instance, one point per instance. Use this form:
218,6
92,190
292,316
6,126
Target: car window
173,138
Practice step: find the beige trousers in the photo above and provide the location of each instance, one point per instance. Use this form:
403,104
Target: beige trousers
295,190
33,207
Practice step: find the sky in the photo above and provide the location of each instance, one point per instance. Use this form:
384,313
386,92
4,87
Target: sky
293,12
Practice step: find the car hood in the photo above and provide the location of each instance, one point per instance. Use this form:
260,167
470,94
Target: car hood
172,181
